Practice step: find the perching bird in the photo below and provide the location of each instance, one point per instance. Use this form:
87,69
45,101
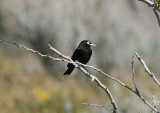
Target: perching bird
82,54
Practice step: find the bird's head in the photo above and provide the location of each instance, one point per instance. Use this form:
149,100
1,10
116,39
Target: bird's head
86,43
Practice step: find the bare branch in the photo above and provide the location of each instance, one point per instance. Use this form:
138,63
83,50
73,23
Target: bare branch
147,69
37,52
62,56
147,103
108,76
133,78
138,110
115,79
157,15
94,78
122,84
69,60
137,91
153,102
149,2
102,106
155,10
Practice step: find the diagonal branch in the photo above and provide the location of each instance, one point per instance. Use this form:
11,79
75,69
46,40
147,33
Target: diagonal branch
94,78
149,2
115,79
37,52
157,15
69,60
101,85
122,84
147,69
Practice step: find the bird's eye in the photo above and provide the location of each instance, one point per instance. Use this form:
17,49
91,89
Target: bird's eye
88,42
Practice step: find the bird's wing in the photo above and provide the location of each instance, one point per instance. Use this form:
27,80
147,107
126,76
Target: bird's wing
76,54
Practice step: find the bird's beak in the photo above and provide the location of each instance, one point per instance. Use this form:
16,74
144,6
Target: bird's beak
92,44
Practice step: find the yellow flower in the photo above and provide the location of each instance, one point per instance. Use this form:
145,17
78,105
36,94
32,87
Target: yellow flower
40,94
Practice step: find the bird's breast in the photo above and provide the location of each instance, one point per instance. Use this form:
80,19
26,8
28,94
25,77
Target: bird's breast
85,56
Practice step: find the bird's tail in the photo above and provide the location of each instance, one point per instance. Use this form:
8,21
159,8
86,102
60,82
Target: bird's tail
69,70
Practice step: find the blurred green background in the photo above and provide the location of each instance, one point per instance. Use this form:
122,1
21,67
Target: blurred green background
31,84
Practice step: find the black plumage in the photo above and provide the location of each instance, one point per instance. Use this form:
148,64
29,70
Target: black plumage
82,54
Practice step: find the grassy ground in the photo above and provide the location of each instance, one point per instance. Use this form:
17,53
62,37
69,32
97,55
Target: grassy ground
27,88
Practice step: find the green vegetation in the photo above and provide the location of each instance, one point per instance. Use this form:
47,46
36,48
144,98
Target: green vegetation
157,4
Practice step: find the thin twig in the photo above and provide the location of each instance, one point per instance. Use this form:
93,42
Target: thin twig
79,66
133,78
94,78
147,69
122,84
155,10
149,2
157,15
97,105
136,88
138,110
106,75
153,102
37,52
69,60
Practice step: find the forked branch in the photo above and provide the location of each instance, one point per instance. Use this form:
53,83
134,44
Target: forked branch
94,78
147,69
69,60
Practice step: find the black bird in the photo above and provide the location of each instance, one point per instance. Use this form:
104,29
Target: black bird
82,54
